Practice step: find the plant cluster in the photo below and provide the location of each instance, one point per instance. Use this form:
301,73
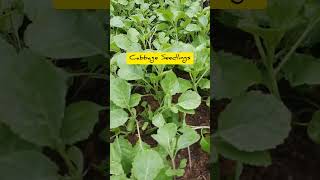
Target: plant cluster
165,26
37,123
255,121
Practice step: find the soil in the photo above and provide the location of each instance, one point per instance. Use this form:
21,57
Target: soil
298,158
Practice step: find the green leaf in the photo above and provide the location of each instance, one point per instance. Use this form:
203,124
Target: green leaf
256,158
120,92
31,102
34,165
122,41
147,164
204,84
10,142
184,85
67,35
166,137
158,120
115,161
170,83
127,71
125,150
189,100
189,137
314,128
205,144
133,35
116,21
309,74
232,75
193,28
118,117
79,121
263,120
76,156
135,100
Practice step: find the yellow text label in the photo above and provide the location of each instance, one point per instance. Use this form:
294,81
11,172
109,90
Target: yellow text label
160,58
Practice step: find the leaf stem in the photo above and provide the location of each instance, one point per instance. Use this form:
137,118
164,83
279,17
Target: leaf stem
260,49
297,44
138,130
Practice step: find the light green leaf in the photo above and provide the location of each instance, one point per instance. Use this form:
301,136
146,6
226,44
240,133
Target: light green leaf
115,161
314,128
31,102
263,120
232,75
116,21
170,83
125,150
204,84
118,117
122,41
205,144
184,85
189,137
135,100
189,100
147,164
120,92
158,120
193,28
79,121
34,165
133,35
166,137
309,74
256,158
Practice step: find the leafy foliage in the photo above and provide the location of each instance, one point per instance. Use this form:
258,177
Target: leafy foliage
165,26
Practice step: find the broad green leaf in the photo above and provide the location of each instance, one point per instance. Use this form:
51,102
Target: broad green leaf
125,150
232,75
131,72
10,142
135,100
256,158
263,120
170,83
314,128
309,74
193,28
79,121
133,35
30,164
189,100
158,120
116,21
166,137
120,92
34,108
189,137
165,15
122,41
146,165
115,161
67,35
204,84
118,117
184,85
